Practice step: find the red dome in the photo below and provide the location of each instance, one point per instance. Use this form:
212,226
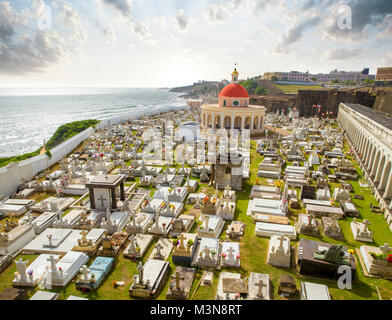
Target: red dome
234,90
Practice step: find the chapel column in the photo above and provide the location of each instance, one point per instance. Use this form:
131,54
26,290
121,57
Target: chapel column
252,120
388,189
232,122
242,122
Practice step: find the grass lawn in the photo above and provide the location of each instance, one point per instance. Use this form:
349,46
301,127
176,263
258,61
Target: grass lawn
253,253
293,88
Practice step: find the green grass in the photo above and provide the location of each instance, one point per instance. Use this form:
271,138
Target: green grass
254,252
62,134
293,88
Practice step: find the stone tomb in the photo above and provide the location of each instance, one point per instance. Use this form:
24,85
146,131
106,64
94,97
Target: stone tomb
279,251
235,230
225,209
90,221
182,224
102,190
115,221
267,206
53,241
375,264
323,259
162,226
230,254
29,276
231,286
211,227
139,223
307,224
70,220
89,241
207,253
184,248
150,278
162,249
91,277
113,244
61,273
269,229
331,228
45,220
361,231
14,240
314,291
138,245
259,286
172,194
53,204
181,283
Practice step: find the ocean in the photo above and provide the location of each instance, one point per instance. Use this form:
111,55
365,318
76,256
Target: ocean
30,115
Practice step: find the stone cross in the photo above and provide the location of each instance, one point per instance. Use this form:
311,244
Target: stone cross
102,199
206,219
385,248
231,253
181,237
133,217
108,217
132,248
85,272
21,266
178,277
206,252
159,253
140,269
281,239
83,233
52,261
365,223
260,286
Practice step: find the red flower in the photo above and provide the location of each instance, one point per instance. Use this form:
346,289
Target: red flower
389,258
101,155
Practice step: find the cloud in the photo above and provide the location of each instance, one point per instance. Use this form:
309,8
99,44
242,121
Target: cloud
124,6
386,28
342,54
71,18
182,23
218,12
142,31
294,34
387,60
26,49
110,35
364,14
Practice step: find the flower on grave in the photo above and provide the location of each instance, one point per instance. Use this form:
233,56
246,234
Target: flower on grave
223,255
170,189
389,258
30,272
222,205
172,206
175,242
190,243
60,269
178,190
238,256
351,251
213,252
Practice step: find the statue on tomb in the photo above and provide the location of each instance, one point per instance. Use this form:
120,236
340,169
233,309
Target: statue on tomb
333,254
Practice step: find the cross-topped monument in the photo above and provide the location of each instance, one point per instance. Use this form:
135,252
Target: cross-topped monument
181,238
385,248
260,284
177,276
140,269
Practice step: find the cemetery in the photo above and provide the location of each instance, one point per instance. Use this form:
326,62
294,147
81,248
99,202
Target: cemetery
111,222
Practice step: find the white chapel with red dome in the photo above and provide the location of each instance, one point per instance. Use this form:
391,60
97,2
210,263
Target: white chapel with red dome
233,110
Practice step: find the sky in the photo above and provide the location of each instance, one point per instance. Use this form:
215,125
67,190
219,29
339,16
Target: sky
165,43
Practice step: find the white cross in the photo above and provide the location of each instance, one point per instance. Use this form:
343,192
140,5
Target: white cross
281,239
385,248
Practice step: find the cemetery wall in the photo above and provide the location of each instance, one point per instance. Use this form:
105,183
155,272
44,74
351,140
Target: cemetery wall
11,175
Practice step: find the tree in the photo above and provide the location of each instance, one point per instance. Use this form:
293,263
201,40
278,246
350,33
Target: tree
335,81
261,91
368,81
314,79
274,78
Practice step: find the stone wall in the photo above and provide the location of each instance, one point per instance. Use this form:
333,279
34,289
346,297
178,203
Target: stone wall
274,103
330,100
383,101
